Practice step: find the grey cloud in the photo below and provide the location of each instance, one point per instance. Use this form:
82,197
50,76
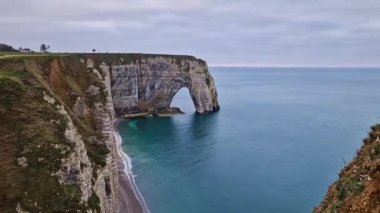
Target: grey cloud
240,32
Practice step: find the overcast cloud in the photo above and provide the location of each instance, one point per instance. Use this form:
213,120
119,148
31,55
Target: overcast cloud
235,32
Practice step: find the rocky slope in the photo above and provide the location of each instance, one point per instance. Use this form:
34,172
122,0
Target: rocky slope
358,187
57,151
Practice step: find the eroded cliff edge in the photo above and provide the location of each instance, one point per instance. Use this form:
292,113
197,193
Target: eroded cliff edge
358,186
57,151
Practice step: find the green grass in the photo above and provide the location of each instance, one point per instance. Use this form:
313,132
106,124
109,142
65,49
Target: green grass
97,154
349,187
93,202
336,206
16,54
376,151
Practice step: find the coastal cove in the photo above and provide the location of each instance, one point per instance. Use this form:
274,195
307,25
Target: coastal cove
279,141
163,106
65,154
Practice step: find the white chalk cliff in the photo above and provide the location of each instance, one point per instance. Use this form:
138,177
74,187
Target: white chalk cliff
150,82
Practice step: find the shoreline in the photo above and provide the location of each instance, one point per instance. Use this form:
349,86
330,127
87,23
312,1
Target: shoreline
130,198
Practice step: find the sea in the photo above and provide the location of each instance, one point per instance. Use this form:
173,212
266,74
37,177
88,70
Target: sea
280,139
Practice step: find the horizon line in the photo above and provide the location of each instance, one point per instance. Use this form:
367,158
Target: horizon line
296,66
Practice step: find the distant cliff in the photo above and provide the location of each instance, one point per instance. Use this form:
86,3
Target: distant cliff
358,186
57,151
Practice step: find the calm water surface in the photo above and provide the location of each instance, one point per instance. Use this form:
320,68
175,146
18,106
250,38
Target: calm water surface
278,142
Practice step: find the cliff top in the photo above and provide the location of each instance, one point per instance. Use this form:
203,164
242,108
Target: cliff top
10,54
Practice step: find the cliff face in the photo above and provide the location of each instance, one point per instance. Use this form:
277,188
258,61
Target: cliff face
57,151
358,187
56,129
148,83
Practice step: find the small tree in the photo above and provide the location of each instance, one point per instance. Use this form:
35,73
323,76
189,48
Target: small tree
93,50
43,48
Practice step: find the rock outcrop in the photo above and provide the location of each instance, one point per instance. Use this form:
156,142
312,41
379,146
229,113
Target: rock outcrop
57,113
149,83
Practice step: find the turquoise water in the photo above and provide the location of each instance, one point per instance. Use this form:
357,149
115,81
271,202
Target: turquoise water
279,141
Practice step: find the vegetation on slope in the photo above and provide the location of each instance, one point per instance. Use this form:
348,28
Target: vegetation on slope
32,141
358,187
32,144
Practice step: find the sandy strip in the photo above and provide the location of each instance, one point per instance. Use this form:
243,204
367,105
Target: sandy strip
130,199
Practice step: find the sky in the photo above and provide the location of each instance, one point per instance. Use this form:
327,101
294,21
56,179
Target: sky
232,33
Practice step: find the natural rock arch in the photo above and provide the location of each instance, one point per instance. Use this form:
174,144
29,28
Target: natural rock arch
150,83
182,99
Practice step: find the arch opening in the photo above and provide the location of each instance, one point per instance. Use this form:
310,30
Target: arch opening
182,100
